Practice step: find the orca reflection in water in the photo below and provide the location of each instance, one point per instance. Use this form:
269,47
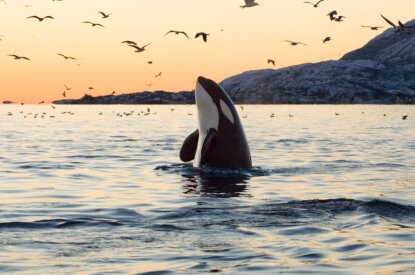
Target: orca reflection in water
220,141
216,187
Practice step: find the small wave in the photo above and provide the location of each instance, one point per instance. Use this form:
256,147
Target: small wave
59,223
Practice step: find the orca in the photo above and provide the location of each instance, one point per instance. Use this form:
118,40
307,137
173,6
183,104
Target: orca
220,141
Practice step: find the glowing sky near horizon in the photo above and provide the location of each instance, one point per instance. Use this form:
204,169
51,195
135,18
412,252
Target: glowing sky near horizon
249,37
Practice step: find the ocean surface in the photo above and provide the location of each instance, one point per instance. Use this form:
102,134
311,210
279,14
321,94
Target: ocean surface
101,190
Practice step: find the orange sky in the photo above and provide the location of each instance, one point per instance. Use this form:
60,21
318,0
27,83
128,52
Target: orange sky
249,37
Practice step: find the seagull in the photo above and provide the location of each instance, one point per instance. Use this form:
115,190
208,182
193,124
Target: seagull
293,43
177,33
66,57
40,18
150,62
90,88
401,28
249,4
159,74
137,48
339,19
129,42
373,28
93,24
104,15
18,57
42,102
327,39
203,34
332,15
405,117
316,4
67,88
270,61
64,94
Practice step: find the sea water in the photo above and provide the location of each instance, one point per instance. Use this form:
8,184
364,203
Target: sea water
101,190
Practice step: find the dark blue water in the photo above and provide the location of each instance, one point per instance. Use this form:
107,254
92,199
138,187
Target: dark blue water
107,194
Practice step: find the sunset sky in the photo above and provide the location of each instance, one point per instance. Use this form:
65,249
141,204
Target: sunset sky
250,36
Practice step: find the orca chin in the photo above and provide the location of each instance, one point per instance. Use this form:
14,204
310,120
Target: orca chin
219,141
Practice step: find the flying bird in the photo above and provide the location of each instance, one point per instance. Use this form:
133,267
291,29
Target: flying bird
203,34
316,4
177,33
129,42
339,19
93,24
400,28
405,117
294,43
327,39
159,74
40,18
104,15
42,102
249,4
137,48
270,61
150,62
373,28
332,15
18,57
66,57
64,94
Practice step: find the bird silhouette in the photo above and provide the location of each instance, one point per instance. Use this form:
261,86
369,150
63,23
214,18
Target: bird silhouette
400,28
104,15
405,117
93,24
332,15
314,4
40,18
270,61
272,115
294,43
137,48
159,74
177,33
42,102
64,94
327,39
129,42
249,4
66,57
203,34
18,57
150,62
67,88
373,28
339,19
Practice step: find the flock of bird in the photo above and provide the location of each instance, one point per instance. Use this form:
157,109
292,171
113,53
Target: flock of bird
145,112
333,16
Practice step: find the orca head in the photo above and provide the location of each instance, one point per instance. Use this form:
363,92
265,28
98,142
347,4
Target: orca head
215,112
213,105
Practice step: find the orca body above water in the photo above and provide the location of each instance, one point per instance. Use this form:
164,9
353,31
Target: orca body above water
220,141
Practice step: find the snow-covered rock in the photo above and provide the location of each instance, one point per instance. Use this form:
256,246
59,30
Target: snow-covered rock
383,71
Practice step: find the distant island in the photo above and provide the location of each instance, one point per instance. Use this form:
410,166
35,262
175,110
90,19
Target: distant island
381,72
